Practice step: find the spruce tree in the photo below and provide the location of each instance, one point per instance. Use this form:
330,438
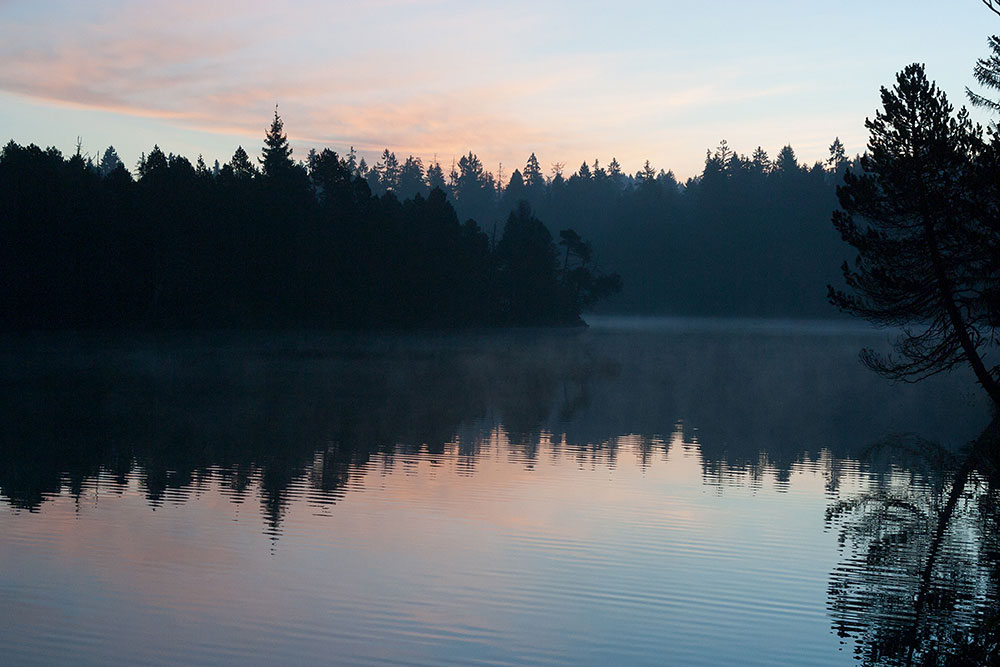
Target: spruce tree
241,165
110,161
276,156
532,174
838,156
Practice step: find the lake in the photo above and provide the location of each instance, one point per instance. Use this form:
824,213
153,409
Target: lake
643,491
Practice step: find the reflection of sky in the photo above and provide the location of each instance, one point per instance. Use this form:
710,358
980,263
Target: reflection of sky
559,558
569,80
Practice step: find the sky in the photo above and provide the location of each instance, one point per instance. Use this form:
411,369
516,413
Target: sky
570,81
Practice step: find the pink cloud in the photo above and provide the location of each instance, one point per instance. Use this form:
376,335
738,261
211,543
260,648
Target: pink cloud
349,74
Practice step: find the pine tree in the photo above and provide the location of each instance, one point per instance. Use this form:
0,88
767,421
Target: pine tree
647,175
526,261
276,155
923,252
723,152
514,192
838,157
352,162
760,161
598,171
615,172
532,173
155,162
411,178
435,176
786,162
987,73
388,170
110,161
241,165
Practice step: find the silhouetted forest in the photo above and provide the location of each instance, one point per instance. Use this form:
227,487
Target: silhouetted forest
749,236
285,244
332,242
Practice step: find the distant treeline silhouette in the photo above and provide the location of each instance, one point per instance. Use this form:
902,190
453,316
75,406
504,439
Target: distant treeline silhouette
749,236
331,241
285,244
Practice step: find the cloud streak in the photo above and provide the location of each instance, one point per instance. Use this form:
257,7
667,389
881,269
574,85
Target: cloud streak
573,81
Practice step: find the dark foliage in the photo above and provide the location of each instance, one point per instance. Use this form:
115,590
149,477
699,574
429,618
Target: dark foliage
927,246
987,73
747,237
290,245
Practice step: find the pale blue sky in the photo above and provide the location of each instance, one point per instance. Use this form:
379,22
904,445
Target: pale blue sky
570,81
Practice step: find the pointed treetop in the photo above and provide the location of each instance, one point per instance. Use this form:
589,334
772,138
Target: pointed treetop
837,157
786,162
241,164
110,161
761,161
533,172
516,182
435,176
276,156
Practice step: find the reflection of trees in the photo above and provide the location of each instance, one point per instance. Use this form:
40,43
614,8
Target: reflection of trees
276,418
268,416
922,583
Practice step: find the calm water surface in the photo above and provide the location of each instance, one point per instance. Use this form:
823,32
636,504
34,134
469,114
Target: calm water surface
644,491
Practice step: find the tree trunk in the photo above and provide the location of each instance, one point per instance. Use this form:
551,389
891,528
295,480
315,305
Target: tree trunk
985,379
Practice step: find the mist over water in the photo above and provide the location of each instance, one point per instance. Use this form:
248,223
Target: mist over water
641,491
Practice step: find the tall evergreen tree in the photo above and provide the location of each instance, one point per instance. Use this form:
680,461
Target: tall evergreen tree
760,161
276,155
473,187
923,249
155,162
435,176
786,162
411,178
532,174
598,170
838,157
515,190
109,161
647,175
201,168
242,167
388,170
526,259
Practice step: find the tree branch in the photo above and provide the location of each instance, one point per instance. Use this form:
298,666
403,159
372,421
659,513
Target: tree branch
995,8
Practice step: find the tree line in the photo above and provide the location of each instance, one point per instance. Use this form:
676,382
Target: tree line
748,236
332,241
278,243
